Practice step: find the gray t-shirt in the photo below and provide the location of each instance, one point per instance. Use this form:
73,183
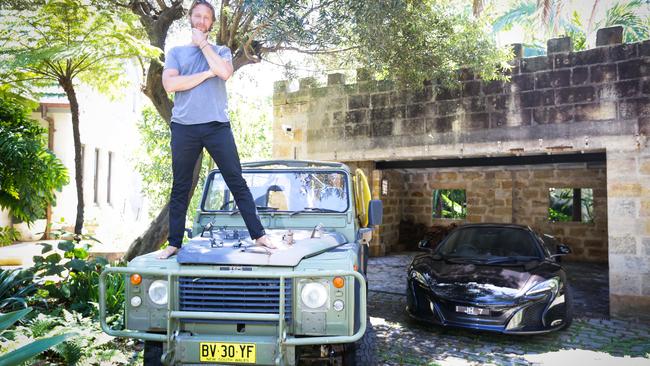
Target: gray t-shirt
206,102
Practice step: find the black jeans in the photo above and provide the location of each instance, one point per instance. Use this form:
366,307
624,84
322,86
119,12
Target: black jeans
187,143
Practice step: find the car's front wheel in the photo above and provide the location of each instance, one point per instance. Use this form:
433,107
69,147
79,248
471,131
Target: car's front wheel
364,351
152,352
568,315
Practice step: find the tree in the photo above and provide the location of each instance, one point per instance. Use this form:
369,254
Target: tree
29,173
254,29
64,42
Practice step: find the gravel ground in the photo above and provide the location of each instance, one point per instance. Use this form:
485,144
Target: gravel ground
592,339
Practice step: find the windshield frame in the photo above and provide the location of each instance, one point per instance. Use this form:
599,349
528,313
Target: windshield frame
535,243
345,174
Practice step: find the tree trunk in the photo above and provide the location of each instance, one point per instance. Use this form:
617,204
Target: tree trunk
66,84
156,233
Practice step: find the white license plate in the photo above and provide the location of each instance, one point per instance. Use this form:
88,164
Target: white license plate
470,310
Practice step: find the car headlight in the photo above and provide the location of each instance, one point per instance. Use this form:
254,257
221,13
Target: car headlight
158,292
550,286
314,295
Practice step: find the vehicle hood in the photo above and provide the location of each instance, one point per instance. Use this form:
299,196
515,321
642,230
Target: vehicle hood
478,283
245,253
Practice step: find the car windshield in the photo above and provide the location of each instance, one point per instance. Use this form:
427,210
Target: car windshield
305,191
490,243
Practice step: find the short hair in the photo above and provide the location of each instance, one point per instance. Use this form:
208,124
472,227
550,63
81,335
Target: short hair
203,2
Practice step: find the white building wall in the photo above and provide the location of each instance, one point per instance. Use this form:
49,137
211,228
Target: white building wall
108,125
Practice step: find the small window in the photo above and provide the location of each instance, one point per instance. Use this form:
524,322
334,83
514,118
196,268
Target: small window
571,204
96,178
109,177
449,204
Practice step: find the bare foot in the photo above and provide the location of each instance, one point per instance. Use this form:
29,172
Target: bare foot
167,252
265,241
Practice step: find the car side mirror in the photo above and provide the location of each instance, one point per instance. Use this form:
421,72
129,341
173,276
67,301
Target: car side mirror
375,212
561,250
424,244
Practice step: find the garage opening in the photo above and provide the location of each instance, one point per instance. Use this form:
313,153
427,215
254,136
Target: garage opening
561,195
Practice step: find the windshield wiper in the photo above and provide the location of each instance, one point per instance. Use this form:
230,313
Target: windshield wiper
259,208
509,259
313,209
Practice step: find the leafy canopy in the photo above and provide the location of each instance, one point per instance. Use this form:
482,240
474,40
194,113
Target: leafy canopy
66,40
29,173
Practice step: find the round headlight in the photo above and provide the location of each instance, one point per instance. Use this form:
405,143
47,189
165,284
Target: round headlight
338,305
136,301
314,295
158,292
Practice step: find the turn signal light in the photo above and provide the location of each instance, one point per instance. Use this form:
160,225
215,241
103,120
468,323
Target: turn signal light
338,282
136,279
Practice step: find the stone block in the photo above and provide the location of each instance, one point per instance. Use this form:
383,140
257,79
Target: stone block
415,110
625,306
556,45
530,99
622,245
381,128
307,83
497,102
579,75
644,48
356,117
578,94
358,101
644,126
561,114
379,100
623,52
493,87
622,207
474,104
534,64
552,79
593,243
644,166
644,210
627,89
603,73
336,79
609,36
440,124
562,60
397,98
523,82
624,283
476,121
645,244
517,50
380,114
448,93
413,126
595,111
471,88
448,107
280,86
590,57
630,69
424,94
624,190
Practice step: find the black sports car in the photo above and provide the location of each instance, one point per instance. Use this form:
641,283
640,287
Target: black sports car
493,277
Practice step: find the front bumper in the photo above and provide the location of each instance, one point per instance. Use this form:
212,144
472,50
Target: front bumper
273,350
536,316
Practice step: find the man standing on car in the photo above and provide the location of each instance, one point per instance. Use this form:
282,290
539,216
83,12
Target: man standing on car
197,73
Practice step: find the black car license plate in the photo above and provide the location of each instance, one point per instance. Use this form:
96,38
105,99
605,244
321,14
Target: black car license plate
471,310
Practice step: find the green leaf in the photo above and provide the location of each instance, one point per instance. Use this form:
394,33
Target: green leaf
77,265
53,258
25,353
66,246
80,253
7,320
46,247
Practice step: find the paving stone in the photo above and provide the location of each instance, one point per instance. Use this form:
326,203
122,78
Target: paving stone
402,341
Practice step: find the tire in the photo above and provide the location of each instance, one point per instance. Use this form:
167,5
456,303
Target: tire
152,353
568,317
364,351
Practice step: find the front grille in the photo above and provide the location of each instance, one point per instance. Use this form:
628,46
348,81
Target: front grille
532,317
234,295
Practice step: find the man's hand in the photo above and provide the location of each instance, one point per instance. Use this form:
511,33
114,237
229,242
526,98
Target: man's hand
199,38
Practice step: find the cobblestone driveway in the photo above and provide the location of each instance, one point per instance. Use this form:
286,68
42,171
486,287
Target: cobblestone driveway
592,339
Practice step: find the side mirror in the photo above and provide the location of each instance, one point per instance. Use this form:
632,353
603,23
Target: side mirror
375,212
423,244
563,249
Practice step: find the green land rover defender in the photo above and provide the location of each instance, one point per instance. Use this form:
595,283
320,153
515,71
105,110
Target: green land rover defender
223,300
